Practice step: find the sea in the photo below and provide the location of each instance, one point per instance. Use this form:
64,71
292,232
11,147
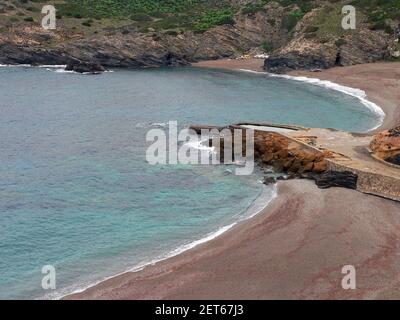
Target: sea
77,192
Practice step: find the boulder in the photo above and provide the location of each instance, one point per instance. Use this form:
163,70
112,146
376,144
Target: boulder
269,180
386,145
85,67
282,63
331,179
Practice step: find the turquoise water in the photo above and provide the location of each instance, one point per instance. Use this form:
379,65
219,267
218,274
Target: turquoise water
76,191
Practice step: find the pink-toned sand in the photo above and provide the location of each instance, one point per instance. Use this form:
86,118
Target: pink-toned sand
296,248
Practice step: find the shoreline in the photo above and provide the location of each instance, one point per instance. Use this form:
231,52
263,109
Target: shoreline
380,82
294,249
263,200
167,275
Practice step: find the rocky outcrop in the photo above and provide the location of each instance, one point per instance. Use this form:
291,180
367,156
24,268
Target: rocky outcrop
270,150
386,146
298,60
303,43
273,149
314,46
128,48
85,67
332,179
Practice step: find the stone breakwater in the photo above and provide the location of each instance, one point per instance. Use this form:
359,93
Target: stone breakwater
276,150
329,157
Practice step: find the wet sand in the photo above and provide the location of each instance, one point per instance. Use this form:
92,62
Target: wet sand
296,248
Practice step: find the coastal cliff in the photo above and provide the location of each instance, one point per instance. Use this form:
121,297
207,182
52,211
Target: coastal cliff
296,35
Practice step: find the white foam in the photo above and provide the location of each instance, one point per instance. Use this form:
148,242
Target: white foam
354,92
15,65
63,71
32,66
200,145
51,66
266,197
58,68
159,124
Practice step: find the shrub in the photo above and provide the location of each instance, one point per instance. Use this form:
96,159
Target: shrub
214,18
340,42
310,29
267,46
290,21
33,9
172,33
141,17
87,23
252,8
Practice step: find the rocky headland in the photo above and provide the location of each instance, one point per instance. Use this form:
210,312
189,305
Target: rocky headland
307,36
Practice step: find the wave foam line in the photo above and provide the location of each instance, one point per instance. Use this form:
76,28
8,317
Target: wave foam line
31,66
263,201
361,95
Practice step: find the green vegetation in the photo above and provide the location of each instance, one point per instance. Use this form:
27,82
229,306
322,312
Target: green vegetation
198,15
252,8
267,46
290,20
214,18
177,16
328,22
87,23
379,12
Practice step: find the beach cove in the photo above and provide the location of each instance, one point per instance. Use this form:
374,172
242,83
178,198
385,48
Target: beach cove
74,164
296,247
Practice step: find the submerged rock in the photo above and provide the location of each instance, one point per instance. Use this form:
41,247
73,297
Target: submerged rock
85,67
269,180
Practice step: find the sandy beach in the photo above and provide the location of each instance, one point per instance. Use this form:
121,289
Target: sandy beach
296,248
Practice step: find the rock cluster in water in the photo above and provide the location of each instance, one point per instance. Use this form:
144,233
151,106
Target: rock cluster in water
85,67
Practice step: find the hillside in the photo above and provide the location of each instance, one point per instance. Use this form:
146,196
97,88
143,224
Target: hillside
134,33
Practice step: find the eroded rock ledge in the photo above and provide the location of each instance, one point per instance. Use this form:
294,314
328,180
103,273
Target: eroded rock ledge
386,146
332,158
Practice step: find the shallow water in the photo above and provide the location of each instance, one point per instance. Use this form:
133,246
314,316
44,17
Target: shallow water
76,191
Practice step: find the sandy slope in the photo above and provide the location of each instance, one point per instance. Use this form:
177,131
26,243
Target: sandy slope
295,249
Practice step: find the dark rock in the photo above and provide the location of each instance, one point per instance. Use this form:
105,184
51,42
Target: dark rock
269,180
395,132
85,67
331,179
295,61
394,160
15,54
